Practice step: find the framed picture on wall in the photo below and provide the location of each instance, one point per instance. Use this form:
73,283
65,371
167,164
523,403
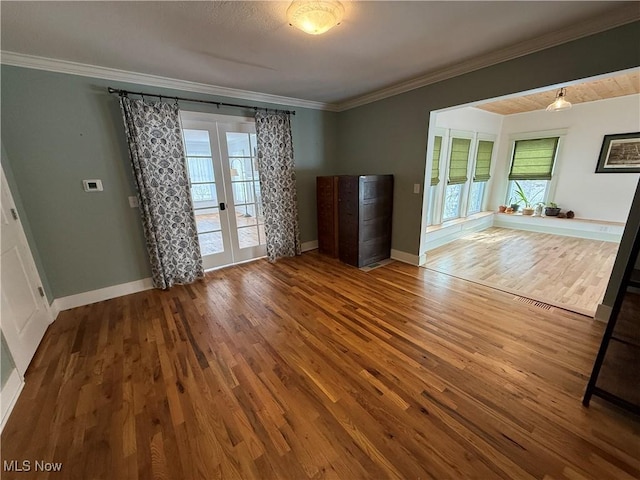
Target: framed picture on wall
620,153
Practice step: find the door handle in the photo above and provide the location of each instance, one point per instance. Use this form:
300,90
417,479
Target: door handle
222,206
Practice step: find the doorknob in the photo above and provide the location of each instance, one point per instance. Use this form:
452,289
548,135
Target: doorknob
222,206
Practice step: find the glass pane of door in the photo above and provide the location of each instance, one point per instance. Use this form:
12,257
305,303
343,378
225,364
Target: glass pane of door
206,190
222,165
240,158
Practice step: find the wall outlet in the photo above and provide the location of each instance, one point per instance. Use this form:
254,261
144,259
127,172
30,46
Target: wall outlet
92,185
133,202
416,188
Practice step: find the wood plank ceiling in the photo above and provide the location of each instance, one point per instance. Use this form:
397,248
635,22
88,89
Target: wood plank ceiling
611,87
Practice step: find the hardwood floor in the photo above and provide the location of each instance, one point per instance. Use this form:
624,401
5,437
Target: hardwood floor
566,272
308,368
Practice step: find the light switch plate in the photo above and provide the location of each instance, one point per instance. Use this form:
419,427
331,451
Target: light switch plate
92,185
416,188
133,202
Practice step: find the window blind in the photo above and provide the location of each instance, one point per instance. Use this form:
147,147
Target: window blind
533,159
458,160
435,168
483,161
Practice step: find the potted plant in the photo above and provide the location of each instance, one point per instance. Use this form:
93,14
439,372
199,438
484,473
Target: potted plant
521,196
551,210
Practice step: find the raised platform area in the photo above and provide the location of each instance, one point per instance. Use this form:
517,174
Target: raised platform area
439,235
571,227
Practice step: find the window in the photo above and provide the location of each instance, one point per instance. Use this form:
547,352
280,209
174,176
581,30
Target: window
453,194
481,176
435,168
532,167
534,190
465,157
458,164
476,196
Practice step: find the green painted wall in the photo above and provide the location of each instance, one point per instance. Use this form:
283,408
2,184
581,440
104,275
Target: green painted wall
24,220
6,362
59,129
390,136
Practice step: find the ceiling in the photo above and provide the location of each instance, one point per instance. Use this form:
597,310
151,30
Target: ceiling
250,46
627,83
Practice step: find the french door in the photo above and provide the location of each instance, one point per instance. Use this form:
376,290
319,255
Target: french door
222,165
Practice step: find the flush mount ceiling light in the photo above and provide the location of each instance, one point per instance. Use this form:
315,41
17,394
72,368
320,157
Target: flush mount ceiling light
560,103
315,17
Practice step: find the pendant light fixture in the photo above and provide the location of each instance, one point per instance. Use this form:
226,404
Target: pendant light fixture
560,102
316,16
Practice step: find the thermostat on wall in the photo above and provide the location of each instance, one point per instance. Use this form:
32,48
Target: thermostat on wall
92,185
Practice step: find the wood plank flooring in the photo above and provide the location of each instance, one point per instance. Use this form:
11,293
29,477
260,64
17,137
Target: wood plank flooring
566,272
310,369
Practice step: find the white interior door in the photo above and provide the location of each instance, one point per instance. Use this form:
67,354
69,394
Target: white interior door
24,312
225,187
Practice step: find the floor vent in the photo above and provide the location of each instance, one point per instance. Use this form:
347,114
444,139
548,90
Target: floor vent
533,303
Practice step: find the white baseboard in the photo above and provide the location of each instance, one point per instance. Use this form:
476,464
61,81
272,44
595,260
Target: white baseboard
107,293
54,309
93,296
603,313
405,257
9,396
312,245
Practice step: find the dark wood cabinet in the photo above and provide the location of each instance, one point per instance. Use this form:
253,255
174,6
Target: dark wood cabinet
327,203
364,209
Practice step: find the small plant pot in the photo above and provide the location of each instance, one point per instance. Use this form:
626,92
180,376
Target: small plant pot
551,211
515,207
502,208
527,211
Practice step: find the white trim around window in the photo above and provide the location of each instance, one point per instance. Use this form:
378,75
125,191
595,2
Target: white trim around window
434,202
464,193
436,194
553,183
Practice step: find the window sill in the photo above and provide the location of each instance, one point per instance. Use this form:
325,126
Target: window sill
537,218
459,221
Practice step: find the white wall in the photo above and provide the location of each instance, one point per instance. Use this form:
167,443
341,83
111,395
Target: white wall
603,196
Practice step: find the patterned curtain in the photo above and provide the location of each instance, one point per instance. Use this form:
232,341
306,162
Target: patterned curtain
157,154
278,184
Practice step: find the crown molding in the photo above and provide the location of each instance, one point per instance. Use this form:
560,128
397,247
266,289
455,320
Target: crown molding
616,18
94,71
621,16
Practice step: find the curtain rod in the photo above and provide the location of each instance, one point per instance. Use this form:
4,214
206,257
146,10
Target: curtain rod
124,93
